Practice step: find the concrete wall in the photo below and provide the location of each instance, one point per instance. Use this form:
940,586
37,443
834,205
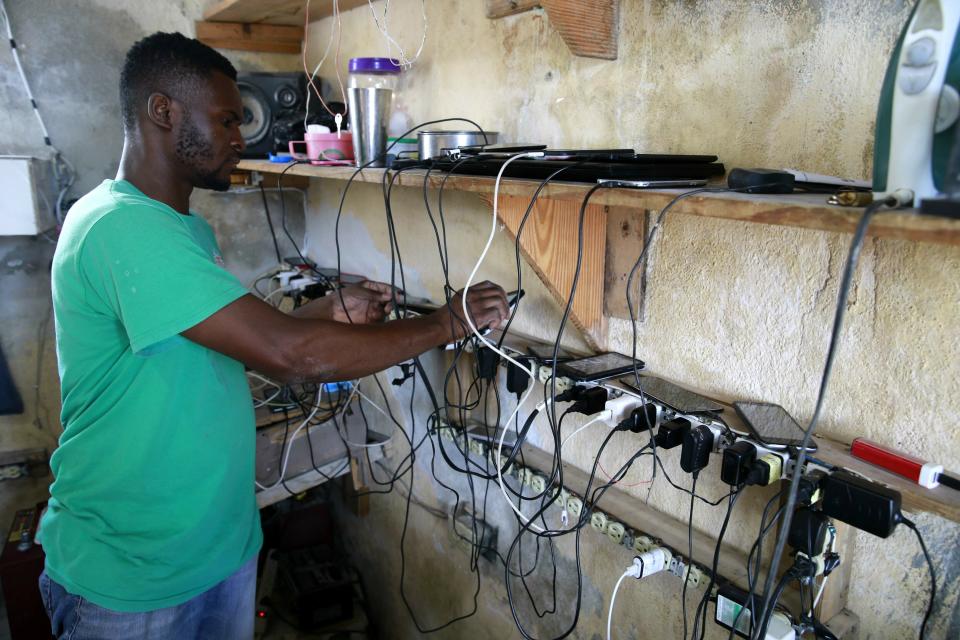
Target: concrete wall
72,51
761,84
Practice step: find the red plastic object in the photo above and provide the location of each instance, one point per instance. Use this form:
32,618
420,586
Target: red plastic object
925,474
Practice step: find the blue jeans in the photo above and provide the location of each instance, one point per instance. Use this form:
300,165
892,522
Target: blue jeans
224,612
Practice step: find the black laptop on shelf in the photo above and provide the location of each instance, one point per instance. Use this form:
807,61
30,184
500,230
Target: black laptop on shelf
584,165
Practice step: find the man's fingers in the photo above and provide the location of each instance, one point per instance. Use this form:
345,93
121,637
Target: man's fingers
383,290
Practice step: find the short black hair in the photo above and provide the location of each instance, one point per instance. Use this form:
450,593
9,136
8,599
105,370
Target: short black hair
168,63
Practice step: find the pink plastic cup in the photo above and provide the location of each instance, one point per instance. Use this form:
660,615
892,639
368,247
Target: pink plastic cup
324,147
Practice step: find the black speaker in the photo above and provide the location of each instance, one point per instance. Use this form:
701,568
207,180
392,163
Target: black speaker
273,109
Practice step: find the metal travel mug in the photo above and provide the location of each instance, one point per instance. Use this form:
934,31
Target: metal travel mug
369,115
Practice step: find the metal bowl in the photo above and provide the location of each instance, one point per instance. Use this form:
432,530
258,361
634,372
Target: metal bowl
433,143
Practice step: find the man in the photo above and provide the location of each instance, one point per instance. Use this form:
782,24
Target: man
152,529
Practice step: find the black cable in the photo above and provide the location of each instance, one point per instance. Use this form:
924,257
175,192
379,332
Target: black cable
686,574
266,212
845,283
700,616
933,576
753,570
283,224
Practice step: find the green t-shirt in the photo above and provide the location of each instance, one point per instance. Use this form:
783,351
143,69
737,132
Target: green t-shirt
153,500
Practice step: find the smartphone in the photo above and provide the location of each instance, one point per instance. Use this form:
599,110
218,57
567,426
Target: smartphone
771,424
598,367
652,184
543,354
676,398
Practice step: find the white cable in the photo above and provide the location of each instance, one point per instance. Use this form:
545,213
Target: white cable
313,76
402,59
286,457
23,75
374,405
816,600
356,391
490,345
267,297
613,599
63,185
262,403
600,417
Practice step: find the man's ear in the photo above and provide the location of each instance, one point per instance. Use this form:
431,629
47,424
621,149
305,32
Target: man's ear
160,110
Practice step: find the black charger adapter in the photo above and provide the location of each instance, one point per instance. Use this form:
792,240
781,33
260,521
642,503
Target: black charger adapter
736,463
808,531
861,503
671,433
641,420
487,362
697,445
589,401
517,378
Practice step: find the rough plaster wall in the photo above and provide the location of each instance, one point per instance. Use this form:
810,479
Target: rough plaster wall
736,309
72,52
764,83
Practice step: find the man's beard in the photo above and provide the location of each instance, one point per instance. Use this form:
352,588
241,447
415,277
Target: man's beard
196,153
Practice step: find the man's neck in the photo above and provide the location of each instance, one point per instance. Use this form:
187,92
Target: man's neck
154,177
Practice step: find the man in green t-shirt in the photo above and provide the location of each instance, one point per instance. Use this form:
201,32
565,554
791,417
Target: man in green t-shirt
152,529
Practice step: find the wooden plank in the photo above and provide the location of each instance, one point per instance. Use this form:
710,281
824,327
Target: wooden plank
503,8
250,37
941,501
637,514
549,243
589,27
845,624
242,178
805,211
303,482
266,418
833,602
355,491
290,12
626,233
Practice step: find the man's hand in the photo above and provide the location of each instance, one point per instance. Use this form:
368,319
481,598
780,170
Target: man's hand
366,302
487,304
362,303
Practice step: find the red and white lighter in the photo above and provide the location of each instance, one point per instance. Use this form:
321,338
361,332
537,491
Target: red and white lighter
925,474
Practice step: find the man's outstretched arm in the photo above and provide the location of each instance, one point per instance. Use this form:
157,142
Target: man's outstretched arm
294,349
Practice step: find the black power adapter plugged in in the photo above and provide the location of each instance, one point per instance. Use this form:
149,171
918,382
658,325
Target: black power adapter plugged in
808,531
863,504
487,362
736,463
589,400
697,445
640,420
671,433
517,379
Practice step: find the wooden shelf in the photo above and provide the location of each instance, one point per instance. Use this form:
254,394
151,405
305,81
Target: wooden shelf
941,501
615,226
588,27
288,12
803,211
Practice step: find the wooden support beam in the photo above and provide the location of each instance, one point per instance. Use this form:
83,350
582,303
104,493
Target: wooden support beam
589,27
549,243
251,37
503,8
290,12
626,233
833,602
